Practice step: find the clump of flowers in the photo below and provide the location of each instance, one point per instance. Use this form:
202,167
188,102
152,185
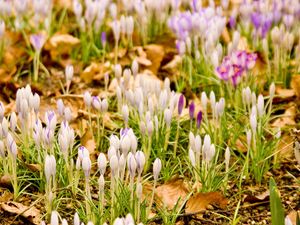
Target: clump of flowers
235,66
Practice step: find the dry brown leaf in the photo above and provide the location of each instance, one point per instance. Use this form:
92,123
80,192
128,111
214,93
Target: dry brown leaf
34,167
284,93
201,201
293,216
30,213
226,36
155,53
61,44
257,198
94,71
172,192
88,141
287,119
143,61
285,146
295,84
6,196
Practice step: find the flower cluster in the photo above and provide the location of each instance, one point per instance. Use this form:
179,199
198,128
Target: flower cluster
234,66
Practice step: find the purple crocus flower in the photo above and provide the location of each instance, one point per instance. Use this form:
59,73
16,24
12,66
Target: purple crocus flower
192,110
199,119
37,41
180,104
103,39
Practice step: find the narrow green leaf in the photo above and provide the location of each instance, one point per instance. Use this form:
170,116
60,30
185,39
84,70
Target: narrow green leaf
277,213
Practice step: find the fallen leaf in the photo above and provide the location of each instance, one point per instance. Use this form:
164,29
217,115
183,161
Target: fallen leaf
94,71
293,216
284,94
88,141
257,198
201,201
288,117
34,167
295,84
6,196
172,192
155,53
30,213
61,45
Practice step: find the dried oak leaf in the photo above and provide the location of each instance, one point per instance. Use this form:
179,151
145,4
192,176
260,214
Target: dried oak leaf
288,117
6,196
201,201
30,213
155,53
293,216
88,141
295,84
61,44
257,198
172,192
94,71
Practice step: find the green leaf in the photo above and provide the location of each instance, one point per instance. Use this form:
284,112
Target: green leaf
277,213
298,219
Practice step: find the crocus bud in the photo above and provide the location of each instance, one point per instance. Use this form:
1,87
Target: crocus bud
150,128
118,71
125,144
103,39
129,219
86,166
116,27
168,117
114,164
37,41
192,157
36,102
140,160
50,167
76,219
64,222
139,190
132,165
156,168
260,105
204,101
135,68
104,105
87,99
192,110
249,137
211,153
2,111
96,103
69,72
253,123
101,182
212,99
2,149
192,140
199,119
278,133
54,218
206,143
2,28
125,113
102,162
198,144
180,104
114,141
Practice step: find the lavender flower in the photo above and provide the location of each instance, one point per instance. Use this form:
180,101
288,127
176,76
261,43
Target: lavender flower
180,104
199,119
192,110
37,41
